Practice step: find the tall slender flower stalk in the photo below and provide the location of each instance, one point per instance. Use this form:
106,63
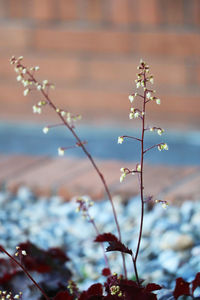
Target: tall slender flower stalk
143,80
27,77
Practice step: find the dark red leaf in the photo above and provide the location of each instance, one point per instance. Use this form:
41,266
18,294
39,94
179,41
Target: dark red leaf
196,282
95,290
152,287
106,272
106,237
63,296
118,246
114,243
182,288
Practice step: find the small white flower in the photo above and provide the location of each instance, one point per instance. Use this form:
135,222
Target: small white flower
19,78
36,68
20,58
151,129
131,98
122,177
61,151
69,118
151,80
24,252
122,169
141,61
24,71
138,84
39,87
160,131
165,147
138,168
148,95
63,113
136,114
131,116
45,82
45,130
120,139
164,205
26,91
25,83
37,109
158,101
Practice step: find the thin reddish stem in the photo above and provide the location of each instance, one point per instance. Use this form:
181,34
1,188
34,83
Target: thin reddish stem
92,162
26,272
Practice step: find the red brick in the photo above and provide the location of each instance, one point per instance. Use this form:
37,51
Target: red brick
42,10
125,71
67,9
55,68
123,11
196,12
168,44
172,12
14,38
94,10
147,12
83,41
16,11
3,9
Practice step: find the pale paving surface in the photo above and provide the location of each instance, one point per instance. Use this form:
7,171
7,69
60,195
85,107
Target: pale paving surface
73,176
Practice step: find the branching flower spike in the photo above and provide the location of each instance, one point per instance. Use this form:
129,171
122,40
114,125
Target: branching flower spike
144,81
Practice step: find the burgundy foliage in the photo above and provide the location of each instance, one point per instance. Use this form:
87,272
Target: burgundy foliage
184,288
114,243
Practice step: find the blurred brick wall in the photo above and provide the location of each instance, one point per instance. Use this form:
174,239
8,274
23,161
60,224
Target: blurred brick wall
90,50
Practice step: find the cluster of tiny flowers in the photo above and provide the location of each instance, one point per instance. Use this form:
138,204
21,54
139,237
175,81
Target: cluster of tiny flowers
134,114
20,252
163,146
68,116
159,130
8,295
115,290
164,203
84,203
25,76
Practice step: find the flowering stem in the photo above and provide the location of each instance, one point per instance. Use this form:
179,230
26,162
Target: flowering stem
91,160
141,181
26,272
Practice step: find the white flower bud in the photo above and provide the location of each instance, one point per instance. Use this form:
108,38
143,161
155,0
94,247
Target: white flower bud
24,252
148,95
19,78
138,168
131,116
26,91
120,139
131,98
45,130
61,151
158,101
122,177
